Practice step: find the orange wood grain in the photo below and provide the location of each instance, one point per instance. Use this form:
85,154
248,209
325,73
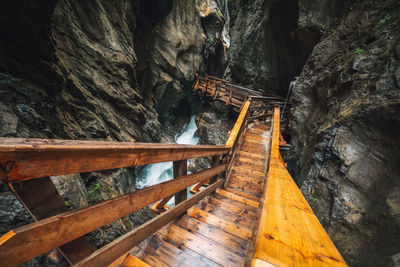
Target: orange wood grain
132,261
219,223
36,158
238,125
118,247
238,198
39,237
289,233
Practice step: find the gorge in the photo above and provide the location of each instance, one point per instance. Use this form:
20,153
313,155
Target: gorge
123,71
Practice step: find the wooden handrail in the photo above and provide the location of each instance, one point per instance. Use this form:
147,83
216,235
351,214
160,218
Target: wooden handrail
228,86
238,125
289,233
23,159
118,247
209,77
27,242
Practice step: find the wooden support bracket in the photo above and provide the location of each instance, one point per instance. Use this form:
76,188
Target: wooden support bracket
42,200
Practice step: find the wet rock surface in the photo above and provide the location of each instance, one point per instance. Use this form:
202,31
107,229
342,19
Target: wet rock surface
345,132
123,71
214,121
265,51
98,70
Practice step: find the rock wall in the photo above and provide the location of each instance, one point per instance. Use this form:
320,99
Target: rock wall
265,52
345,130
100,70
345,154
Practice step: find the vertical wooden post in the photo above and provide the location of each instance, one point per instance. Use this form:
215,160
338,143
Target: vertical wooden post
215,161
180,169
230,98
42,200
216,91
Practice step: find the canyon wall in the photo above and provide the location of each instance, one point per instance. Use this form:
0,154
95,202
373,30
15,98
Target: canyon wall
123,71
101,70
345,132
265,53
345,149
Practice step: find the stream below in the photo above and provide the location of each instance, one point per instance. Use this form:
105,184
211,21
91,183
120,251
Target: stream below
160,172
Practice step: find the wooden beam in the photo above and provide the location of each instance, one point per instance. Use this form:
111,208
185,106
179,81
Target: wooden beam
35,158
118,247
180,169
215,161
27,242
238,125
217,88
282,141
289,233
229,98
160,205
42,200
132,261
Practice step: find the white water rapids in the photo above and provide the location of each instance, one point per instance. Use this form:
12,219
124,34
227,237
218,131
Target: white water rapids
160,172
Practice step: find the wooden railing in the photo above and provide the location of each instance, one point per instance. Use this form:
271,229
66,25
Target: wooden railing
220,89
26,164
289,233
236,134
24,161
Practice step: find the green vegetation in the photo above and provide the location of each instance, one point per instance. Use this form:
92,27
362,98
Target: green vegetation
220,14
127,222
117,236
385,19
210,40
359,51
93,189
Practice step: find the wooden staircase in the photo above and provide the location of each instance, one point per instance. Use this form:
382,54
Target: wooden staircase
217,231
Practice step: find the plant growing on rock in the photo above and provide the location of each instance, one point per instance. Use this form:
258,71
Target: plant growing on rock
95,188
210,40
385,19
359,51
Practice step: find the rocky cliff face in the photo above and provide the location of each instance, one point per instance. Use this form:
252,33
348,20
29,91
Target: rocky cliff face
345,132
101,70
122,71
345,126
265,52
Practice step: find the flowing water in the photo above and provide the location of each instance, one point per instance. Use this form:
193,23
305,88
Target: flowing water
160,172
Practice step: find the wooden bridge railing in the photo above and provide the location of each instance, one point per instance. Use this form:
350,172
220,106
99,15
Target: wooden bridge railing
289,233
222,90
25,160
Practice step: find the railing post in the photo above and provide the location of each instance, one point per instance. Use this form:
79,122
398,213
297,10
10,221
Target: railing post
215,161
180,169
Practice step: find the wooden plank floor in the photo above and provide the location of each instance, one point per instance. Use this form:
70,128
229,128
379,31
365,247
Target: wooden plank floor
217,231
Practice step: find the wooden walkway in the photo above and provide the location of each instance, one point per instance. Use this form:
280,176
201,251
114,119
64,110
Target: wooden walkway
217,231
220,89
246,210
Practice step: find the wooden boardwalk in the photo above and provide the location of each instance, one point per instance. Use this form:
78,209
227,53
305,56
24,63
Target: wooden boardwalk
217,231
246,209
220,89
